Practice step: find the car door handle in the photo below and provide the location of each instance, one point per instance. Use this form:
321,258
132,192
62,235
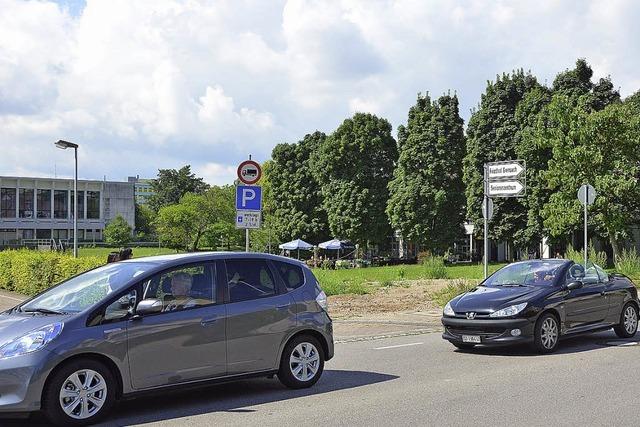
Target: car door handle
207,322
110,331
282,307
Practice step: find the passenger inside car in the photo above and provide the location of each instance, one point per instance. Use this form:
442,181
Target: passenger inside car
180,290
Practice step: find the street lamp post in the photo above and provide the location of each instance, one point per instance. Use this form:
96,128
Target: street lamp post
64,145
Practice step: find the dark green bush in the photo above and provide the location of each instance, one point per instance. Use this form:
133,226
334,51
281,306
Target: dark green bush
30,272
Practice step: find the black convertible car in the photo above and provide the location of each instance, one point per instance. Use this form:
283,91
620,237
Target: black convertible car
539,302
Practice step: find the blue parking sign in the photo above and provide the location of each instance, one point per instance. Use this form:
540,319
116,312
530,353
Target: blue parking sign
248,198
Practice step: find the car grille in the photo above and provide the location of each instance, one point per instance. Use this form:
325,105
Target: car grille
488,332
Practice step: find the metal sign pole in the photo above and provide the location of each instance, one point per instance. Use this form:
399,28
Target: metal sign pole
585,227
486,226
246,239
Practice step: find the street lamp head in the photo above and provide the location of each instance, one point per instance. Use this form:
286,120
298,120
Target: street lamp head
65,144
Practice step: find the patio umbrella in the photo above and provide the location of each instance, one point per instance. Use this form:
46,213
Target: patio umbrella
296,245
336,244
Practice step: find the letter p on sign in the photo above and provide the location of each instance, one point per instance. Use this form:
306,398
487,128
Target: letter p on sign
248,198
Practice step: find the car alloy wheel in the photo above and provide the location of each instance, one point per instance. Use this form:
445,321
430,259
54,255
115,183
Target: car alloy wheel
549,333
304,361
83,394
630,320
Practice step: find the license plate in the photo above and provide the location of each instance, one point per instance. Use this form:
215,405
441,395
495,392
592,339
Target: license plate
471,338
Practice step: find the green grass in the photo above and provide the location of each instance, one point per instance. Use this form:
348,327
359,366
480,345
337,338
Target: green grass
364,280
452,290
137,252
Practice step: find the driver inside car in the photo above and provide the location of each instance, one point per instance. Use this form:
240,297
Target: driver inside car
180,288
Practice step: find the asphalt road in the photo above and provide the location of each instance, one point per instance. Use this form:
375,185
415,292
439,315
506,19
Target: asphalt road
420,380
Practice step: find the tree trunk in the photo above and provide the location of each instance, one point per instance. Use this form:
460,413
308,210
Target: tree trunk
614,246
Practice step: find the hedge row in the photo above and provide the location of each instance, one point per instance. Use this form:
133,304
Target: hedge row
29,272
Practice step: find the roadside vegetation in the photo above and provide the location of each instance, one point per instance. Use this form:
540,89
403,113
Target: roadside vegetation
365,280
103,252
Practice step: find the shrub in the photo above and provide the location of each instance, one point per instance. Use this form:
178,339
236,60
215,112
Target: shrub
30,272
595,257
343,264
453,289
435,268
627,263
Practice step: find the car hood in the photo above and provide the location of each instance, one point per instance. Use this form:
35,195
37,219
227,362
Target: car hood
15,325
486,299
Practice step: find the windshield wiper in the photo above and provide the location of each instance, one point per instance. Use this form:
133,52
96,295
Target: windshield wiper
41,310
510,284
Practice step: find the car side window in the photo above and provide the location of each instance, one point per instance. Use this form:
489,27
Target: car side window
249,279
117,310
183,287
578,272
291,274
604,276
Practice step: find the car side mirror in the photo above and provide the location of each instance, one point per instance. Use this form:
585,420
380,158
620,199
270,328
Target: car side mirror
577,284
149,306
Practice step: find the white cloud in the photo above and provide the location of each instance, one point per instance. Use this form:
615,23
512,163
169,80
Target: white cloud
216,173
154,84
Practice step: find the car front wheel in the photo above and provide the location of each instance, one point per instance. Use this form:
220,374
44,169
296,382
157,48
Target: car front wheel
546,334
302,362
628,321
80,393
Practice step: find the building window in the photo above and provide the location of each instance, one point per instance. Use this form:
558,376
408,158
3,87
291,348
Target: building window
93,205
44,204
7,203
60,204
43,234
25,210
80,205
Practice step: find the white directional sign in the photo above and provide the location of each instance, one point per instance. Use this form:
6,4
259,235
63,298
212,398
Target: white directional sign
504,170
504,188
248,219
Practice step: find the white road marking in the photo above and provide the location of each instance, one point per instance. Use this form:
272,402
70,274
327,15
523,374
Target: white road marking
397,346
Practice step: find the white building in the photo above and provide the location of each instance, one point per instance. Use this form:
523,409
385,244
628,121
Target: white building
42,208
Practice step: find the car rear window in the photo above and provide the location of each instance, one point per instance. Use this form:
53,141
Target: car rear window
291,274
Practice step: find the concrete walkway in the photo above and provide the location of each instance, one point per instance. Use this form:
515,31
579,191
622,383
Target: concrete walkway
10,299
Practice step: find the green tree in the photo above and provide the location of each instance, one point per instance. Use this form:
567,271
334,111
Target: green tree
172,184
144,221
354,166
597,147
426,201
491,136
183,225
118,232
223,232
293,198
529,118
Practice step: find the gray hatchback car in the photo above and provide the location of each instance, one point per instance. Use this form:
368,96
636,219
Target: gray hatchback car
152,323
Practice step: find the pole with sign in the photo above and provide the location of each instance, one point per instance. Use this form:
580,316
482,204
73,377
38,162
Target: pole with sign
501,179
586,194
248,198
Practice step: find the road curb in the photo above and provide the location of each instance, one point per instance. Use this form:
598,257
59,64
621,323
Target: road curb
385,336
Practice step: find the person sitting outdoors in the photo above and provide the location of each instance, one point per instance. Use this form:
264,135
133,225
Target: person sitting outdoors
180,288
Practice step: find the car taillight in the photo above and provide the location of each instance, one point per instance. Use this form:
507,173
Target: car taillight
321,299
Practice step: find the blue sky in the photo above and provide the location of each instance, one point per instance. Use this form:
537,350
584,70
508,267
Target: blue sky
150,84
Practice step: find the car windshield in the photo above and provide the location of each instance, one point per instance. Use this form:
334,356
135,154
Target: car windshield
535,273
83,291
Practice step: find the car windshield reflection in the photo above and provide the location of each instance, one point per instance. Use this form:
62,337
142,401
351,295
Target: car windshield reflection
535,273
85,290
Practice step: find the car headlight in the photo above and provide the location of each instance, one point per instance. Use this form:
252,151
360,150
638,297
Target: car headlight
448,311
509,311
31,341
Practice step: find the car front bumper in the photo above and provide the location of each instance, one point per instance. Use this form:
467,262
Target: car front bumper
492,332
22,380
